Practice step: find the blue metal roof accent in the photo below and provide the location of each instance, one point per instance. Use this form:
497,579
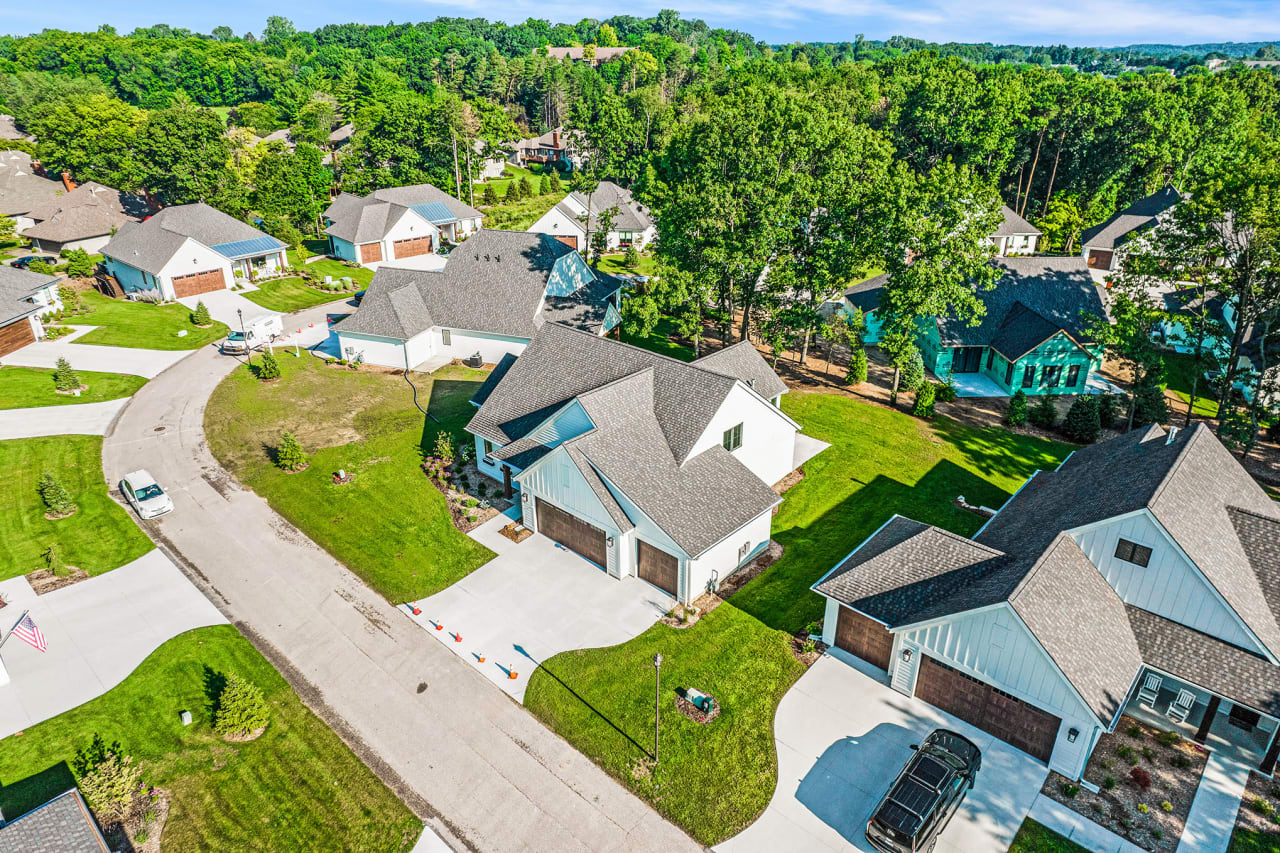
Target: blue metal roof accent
248,248
435,212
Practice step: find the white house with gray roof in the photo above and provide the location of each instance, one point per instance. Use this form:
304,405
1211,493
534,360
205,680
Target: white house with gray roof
24,297
490,299
24,188
1103,245
642,464
632,224
1140,577
396,223
188,250
1014,235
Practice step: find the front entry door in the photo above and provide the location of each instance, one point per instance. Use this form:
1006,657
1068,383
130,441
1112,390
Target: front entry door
966,359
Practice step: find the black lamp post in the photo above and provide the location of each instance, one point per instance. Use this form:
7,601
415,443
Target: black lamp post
248,353
657,693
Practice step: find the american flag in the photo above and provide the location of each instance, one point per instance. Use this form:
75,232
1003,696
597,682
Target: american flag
27,632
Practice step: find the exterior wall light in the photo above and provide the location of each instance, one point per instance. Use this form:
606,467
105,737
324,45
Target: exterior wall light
906,655
609,541
1072,735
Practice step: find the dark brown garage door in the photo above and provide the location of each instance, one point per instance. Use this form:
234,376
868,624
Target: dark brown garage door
1013,721
863,636
1100,259
657,567
370,252
16,335
412,247
199,282
568,240
572,532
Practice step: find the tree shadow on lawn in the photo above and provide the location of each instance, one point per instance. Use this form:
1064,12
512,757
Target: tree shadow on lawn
780,597
18,798
996,451
214,683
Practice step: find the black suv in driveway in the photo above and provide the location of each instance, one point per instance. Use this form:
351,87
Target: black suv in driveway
926,794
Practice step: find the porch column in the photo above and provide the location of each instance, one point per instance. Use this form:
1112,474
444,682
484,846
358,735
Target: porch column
1202,734
1268,764
506,481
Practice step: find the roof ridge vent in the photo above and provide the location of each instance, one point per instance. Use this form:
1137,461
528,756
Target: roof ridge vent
1173,431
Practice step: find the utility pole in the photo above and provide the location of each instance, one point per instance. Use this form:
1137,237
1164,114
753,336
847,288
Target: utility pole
457,175
248,353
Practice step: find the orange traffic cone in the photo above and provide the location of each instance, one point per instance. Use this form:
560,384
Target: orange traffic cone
511,673
481,656
439,626
457,638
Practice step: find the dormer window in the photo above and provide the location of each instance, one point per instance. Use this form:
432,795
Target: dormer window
1132,552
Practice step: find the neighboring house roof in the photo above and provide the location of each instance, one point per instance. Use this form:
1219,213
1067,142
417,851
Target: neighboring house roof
631,215
21,189
367,219
1188,302
150,244
1139,215
342,134
9,130
16,289
743,361
866,294
497,282
603,54
1014,225
647,411
555,138
62,825
90,210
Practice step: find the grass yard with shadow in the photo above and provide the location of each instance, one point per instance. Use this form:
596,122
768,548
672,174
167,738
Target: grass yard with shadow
100,537
1179,371
715,780
390,525
29,387
1034,837
660,341
327,266
122,323
286,295
296,788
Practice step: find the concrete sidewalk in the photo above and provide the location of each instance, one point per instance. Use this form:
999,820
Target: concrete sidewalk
139,362
1212,818
83,419
98,631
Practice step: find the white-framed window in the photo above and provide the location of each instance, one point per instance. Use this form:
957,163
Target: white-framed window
445,337
733,438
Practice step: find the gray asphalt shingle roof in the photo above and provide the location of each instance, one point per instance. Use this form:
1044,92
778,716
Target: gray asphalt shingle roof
21,189
742,361
62,825
631,215
16,288
150,244
1013,225
1139,215
90,210
366,219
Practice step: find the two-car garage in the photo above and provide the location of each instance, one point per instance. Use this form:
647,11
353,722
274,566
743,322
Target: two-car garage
653,565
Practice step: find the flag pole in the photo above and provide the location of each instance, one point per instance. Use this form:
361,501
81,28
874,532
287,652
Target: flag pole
6,637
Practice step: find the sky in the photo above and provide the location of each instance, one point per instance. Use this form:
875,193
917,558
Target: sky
1097,23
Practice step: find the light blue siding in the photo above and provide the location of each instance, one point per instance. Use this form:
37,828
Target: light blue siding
568,274
343,249
611,318
570,423
132,280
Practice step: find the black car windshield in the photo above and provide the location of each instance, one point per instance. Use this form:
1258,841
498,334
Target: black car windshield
149,492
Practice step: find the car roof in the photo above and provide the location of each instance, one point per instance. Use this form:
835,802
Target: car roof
915,793
140,478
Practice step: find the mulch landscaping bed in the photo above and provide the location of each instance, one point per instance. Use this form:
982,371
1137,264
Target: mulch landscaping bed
1259,814
739,578
1118,805
467,518
44,580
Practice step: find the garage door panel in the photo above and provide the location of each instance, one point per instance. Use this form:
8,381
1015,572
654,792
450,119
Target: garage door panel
370,252
196,283
863,636
411,247
1013,721
16,335
657,567
572,532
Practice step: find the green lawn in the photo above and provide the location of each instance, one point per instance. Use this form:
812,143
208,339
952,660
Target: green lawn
297,788
514,173
390,526
659,340
518,215
139,324
287,295
1033,837
327,266
1179,371
25,387
715,780
98,538
614,265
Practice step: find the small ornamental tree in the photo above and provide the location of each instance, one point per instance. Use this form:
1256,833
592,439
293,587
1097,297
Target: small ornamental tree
289,455
64,376
53,562
78,263
925,396
526,187
631,258
55,496
1082,425
544,186
857,372
912,371
490,196
70,298
1044,413
268,367
444,448
1017,409
241,708
200,316
108,779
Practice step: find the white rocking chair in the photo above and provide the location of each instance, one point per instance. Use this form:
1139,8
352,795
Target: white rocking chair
1150,690
1179,708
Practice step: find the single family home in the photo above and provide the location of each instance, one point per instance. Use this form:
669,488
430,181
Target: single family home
1140,577
549,148
642,464
85,217
1015,235
24,296
63,824
188,250
491,297
593,56
24,187
1103,245
396,223
1182,305
632,225
1033,335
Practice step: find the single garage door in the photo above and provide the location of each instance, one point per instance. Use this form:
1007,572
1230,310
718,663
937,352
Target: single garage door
199,282
657,567
370,252
1100,259
572,532
16,335
865,637
412,247
1013,721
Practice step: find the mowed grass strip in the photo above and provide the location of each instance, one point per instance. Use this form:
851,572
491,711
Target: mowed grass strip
1035,837
141,325
287,295
326,266
29,387
100,537
390,525
715,780
296,788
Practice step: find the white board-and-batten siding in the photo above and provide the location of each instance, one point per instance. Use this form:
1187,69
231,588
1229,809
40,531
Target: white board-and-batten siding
1169,585
556,479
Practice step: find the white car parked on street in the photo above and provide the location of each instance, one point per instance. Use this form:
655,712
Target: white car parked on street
145,495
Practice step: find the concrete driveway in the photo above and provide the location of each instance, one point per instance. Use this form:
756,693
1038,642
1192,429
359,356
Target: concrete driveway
84,419
223,304
98,631
139,362
532,601
843,735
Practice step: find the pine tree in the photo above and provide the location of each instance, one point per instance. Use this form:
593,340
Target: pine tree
1044,413
490,196
55,495
857,372
241,708
289,455
64,377
1017,409
556,186
269,367
526,187
513,192
912,371
544,186
1082,424
925,396
200,316
1150,406
1108,408
631,258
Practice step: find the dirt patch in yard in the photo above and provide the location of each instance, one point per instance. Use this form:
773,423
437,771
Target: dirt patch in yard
1259,815
45,581
1153,816
739,578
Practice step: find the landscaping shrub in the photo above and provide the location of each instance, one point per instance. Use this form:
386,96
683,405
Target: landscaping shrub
526,188
1168,738
289,455
1144,808
55,495
1108,410
64,376
631,258
268,367
1141,778
1082,424
1149,406
54,563
857,372
947,392
1017,415
1108,782
1261,806
1148,753
544,186
1166,806
445,447
1044,413
1070,791
78,263
1180,761
41,267
513,192
72,302
490,197
912,372
108,779
200,316
241,708
925,395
